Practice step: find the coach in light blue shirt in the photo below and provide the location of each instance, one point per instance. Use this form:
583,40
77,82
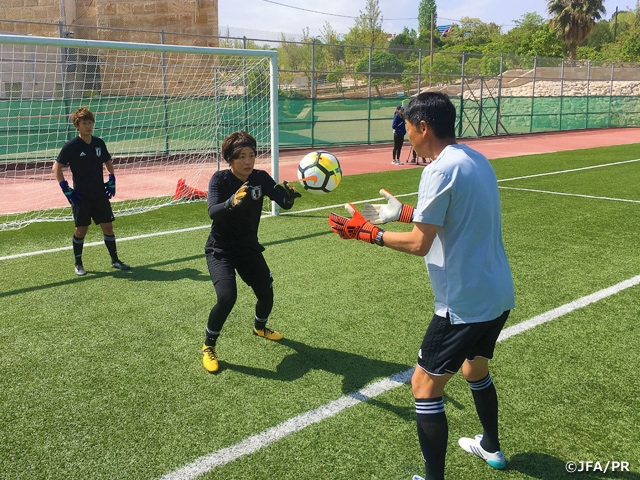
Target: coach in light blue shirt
467,264
457,227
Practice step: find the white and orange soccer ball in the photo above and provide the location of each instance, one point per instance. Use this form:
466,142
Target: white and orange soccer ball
319,172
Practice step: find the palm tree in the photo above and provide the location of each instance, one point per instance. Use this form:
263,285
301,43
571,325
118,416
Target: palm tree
574,20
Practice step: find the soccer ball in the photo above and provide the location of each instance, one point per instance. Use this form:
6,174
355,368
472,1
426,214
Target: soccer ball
320,172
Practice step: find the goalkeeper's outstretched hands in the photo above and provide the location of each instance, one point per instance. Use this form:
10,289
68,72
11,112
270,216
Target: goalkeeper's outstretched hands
356,227
393,211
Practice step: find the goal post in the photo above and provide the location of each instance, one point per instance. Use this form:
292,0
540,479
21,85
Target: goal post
162,110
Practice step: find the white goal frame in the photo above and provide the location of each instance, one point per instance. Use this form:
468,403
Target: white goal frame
64,44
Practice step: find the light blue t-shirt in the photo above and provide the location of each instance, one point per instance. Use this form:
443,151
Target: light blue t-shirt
467,263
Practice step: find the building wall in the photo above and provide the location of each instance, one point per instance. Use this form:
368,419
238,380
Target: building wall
93,19
81,72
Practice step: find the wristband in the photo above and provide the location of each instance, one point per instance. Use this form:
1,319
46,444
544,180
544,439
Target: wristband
379,240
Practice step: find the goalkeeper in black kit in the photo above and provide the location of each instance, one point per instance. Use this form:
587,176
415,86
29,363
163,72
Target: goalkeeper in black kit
234,203
87,157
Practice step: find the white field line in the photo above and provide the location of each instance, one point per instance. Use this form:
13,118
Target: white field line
569,171
254,443
94,244
170,232
182,230
568,308
570,194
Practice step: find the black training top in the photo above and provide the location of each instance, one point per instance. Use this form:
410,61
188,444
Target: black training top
235,231
86,162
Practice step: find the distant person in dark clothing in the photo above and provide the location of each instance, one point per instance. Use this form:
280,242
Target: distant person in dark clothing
399,131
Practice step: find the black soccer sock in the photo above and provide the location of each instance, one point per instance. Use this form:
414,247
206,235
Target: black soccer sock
110,242
211,338
259,323
433,433
78,244
486,400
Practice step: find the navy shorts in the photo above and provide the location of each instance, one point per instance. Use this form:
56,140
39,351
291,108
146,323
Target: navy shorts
445,347
98,209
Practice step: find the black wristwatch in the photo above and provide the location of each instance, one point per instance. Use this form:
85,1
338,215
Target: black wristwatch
378,240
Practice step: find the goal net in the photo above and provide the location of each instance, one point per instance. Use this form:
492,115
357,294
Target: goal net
162,110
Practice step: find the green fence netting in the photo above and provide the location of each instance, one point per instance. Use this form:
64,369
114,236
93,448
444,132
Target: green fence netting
163,125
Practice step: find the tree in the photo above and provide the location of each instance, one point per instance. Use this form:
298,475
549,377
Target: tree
370,24
518,39
336,77
425,10
381,61
574,20
472,32
543,43
530,21
602,33
403,45
330,38
631,49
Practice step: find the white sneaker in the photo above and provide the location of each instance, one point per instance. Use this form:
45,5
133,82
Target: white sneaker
417,477
472,445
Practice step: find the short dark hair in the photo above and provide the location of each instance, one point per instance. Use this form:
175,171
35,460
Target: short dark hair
436,109
235,142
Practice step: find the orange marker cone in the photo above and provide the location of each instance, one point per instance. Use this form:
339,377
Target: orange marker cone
185,192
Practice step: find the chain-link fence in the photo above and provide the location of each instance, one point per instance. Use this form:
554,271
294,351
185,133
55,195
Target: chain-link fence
342,94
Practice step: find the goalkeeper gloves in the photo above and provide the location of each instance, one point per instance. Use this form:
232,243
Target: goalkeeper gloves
236,199
393,211
291,191
288,192
356,227
110,186
72,196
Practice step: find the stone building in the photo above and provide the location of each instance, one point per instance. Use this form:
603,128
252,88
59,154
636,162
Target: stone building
194,20
82,72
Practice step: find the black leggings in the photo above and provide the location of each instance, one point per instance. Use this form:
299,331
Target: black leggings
254,272
398,140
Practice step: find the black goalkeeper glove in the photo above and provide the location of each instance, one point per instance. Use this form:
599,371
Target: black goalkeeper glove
289,193
73,197
236,199
110,186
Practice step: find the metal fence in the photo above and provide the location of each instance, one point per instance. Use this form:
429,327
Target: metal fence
337,94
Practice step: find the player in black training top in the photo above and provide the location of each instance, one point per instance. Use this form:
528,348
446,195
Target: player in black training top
235,205
86,156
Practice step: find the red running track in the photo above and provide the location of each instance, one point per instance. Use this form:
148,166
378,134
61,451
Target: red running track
23,194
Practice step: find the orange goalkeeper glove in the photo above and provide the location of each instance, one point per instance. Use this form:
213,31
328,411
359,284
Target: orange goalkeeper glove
393,211
355,227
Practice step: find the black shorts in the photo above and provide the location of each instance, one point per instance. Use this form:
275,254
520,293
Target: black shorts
98,209
251,266
445,347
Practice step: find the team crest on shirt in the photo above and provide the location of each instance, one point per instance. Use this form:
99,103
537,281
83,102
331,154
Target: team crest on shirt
256,192
98,151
